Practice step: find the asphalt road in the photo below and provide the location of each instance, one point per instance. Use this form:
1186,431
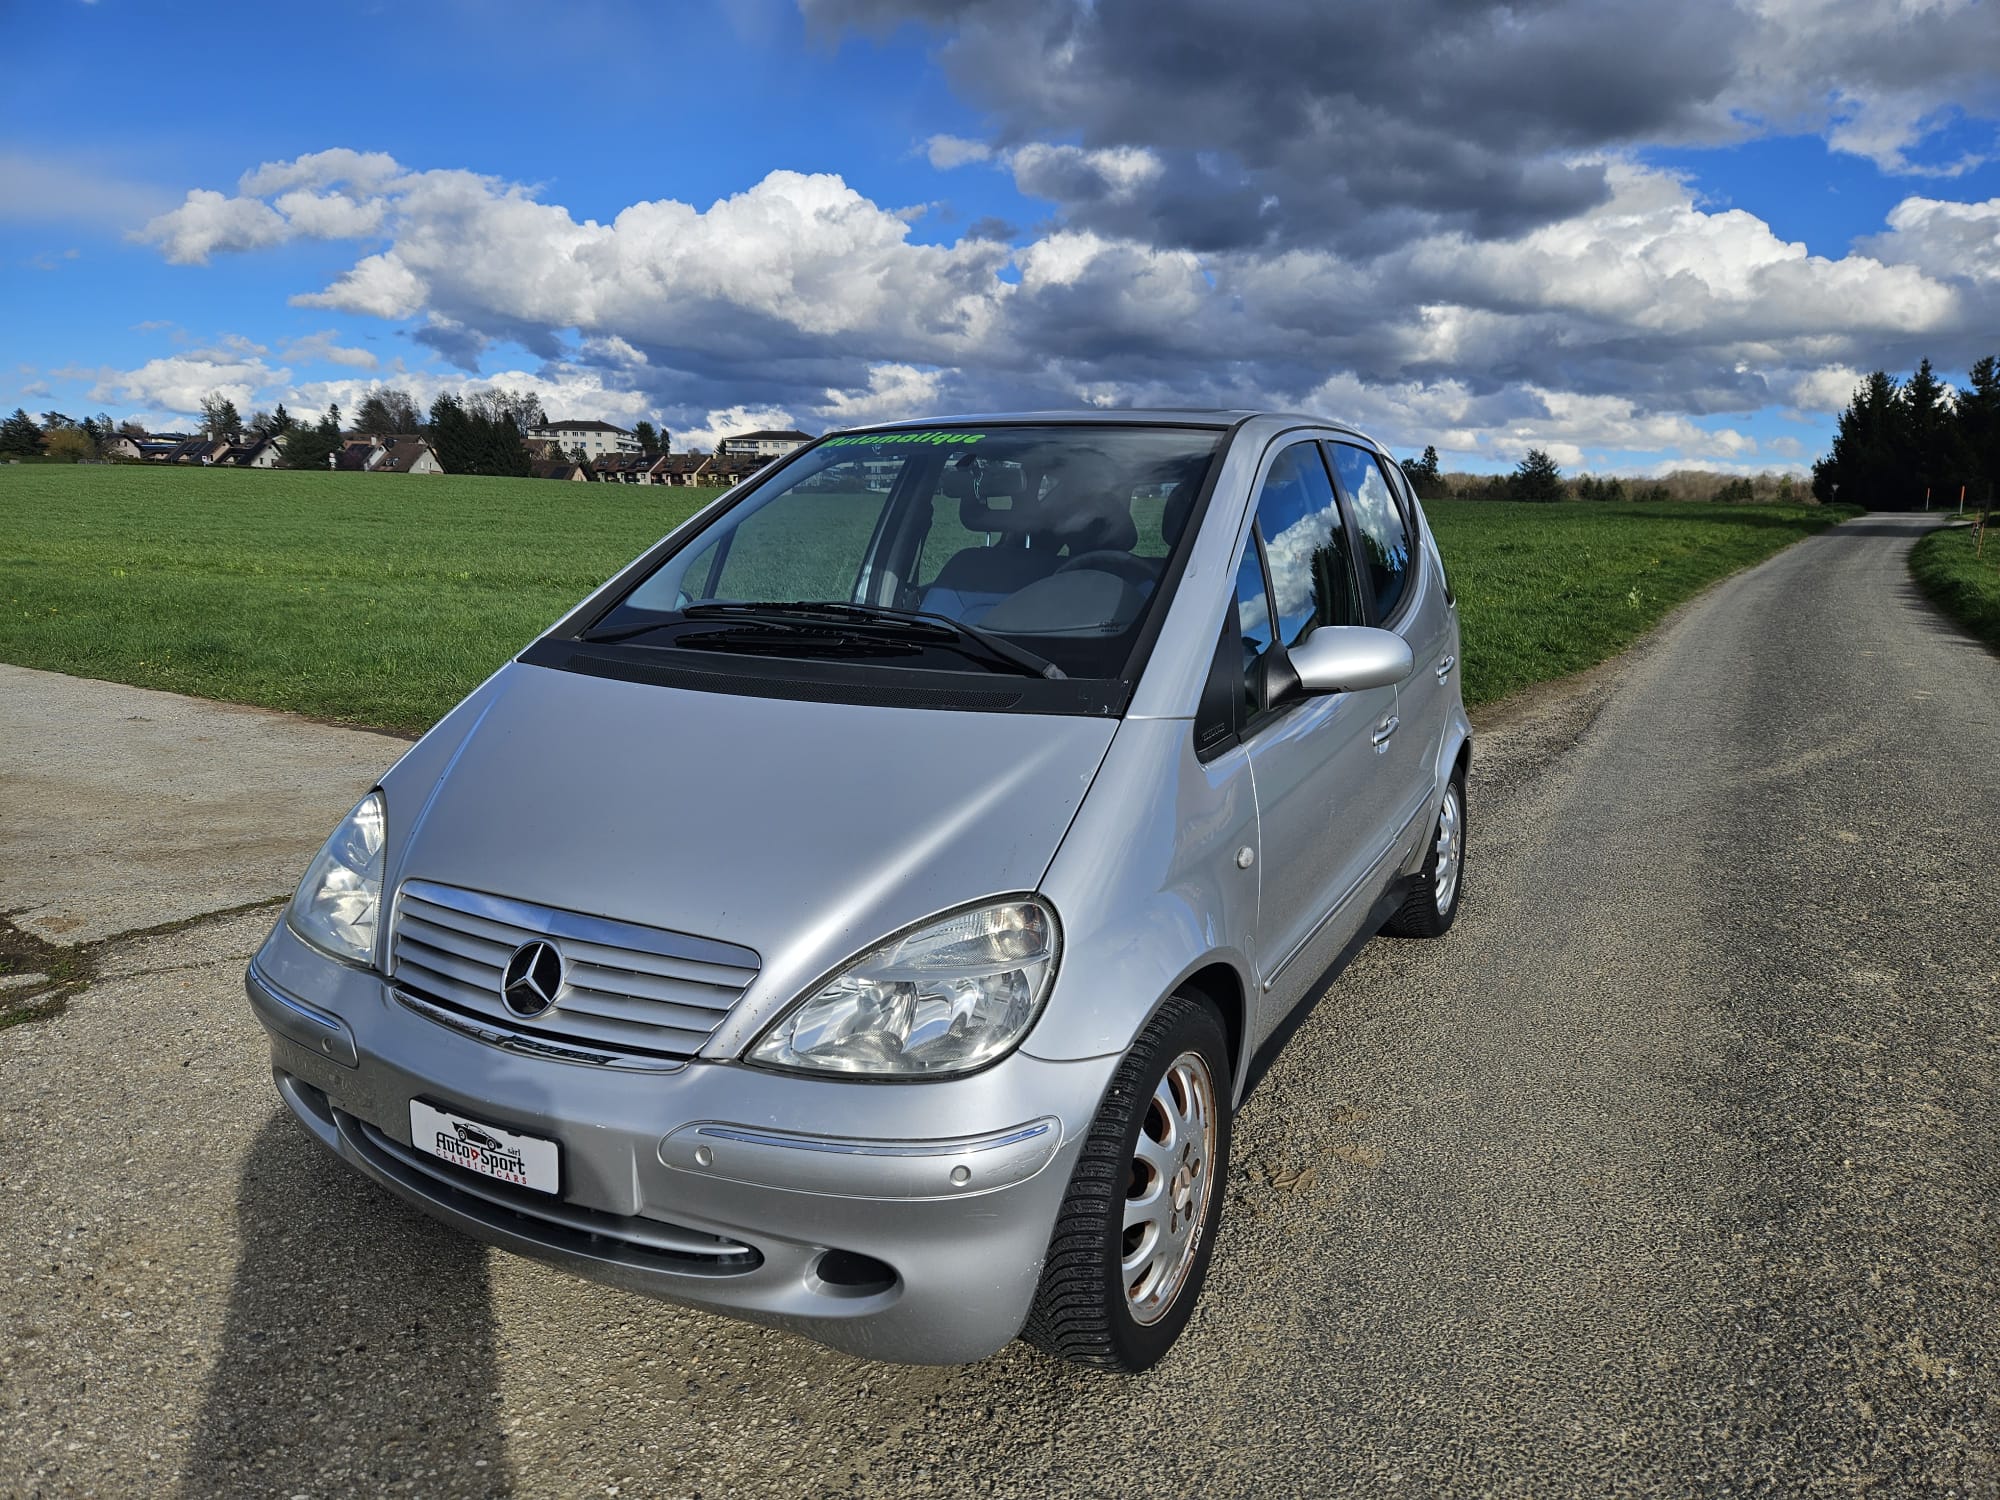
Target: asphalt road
1674,1169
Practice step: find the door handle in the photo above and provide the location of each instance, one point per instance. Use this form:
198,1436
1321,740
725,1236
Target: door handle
1444,668
1383,730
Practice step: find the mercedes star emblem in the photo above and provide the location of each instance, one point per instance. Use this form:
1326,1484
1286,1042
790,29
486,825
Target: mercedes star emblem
532,979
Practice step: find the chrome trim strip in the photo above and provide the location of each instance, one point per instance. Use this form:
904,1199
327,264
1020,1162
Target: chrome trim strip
552,921
531,1046
837,1167
299,1022
873,1148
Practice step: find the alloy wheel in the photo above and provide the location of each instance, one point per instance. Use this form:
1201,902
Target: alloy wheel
1172,1177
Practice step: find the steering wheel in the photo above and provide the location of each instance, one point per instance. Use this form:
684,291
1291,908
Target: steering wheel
1135,570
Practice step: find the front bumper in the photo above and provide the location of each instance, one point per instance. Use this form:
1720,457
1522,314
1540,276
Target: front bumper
903,1222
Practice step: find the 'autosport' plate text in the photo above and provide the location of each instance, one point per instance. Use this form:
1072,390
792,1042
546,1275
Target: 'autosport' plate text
524,1160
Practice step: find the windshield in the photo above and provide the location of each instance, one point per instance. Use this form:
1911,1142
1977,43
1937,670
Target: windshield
1009,550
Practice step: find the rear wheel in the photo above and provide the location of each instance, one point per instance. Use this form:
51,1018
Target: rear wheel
1434,895
1132,1241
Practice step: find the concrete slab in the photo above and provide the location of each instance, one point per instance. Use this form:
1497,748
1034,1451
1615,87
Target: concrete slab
122,808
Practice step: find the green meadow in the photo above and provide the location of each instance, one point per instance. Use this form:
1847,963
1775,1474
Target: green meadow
381,600
1962,577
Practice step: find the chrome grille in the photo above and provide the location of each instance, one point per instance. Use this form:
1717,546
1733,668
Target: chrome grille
627,989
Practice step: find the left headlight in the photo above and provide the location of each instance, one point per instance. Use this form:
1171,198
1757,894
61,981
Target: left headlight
952,996
335,909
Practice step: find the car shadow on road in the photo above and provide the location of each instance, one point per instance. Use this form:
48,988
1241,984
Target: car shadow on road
337,1373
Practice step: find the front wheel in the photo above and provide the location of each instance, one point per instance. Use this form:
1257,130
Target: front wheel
1133,1238
1434,895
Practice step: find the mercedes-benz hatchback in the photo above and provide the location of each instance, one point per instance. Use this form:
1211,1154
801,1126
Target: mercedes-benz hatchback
864,914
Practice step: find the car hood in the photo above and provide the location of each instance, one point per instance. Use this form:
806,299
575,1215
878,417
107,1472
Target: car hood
804,831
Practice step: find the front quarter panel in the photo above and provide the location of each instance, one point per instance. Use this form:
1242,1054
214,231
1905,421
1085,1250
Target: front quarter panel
1148,887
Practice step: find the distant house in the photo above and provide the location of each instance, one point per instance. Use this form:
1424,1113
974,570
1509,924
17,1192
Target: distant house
762,445
596,439
624,468
257,453
408,456
682,468
122,445
558,468
358,456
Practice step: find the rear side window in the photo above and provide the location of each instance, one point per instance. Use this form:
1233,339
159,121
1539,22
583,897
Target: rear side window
1312,576
1384,533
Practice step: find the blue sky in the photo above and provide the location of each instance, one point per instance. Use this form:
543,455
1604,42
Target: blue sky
1640,242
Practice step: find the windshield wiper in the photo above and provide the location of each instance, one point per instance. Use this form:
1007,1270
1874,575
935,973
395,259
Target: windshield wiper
623,632
909,623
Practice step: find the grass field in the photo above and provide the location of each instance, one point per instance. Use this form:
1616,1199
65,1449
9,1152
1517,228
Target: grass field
381,600
1964,586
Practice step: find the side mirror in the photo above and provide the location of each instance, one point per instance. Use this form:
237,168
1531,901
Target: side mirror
1347,658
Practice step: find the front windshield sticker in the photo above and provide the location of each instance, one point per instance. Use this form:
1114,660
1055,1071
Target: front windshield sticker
882,439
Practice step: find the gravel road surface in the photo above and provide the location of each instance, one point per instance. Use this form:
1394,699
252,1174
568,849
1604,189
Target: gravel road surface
1674,1169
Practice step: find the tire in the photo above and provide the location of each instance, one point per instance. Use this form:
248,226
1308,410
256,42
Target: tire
1087,1309
1420,915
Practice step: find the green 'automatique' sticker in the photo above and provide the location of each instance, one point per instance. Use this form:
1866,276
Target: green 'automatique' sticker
883,439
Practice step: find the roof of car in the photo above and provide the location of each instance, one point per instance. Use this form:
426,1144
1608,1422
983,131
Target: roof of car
1191,416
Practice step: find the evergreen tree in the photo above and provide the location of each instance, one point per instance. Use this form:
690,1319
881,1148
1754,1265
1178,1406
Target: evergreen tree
19,435
306,447
449,436
1935,461
1978,408
1536,477
1870,447
648,436
1424,475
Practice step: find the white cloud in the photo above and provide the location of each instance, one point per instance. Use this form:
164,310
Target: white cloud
893,393
365,171
325,345
948,151
1116,173
178,383
1617,325
722,422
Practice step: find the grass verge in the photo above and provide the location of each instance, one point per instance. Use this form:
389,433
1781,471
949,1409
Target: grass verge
381,600
1964,586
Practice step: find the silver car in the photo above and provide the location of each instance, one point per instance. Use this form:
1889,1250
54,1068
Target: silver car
865,913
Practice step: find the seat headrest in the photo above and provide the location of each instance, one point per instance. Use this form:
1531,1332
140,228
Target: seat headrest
977,489
1090,507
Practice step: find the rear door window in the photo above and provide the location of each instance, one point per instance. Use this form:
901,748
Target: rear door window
1379,522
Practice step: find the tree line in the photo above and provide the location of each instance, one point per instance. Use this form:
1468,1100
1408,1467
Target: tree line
1538,477
1900,445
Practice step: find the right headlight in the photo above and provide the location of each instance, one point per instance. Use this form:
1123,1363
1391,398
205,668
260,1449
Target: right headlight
949,997
339,900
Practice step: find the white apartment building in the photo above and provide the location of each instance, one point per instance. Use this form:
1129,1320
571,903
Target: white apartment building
596,439
762,444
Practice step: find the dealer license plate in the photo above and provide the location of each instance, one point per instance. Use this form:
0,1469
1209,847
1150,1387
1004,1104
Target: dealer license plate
525,1160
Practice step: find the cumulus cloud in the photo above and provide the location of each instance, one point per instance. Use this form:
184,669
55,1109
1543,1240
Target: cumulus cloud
325,345
948,151
1358,126
1628,321
179,382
